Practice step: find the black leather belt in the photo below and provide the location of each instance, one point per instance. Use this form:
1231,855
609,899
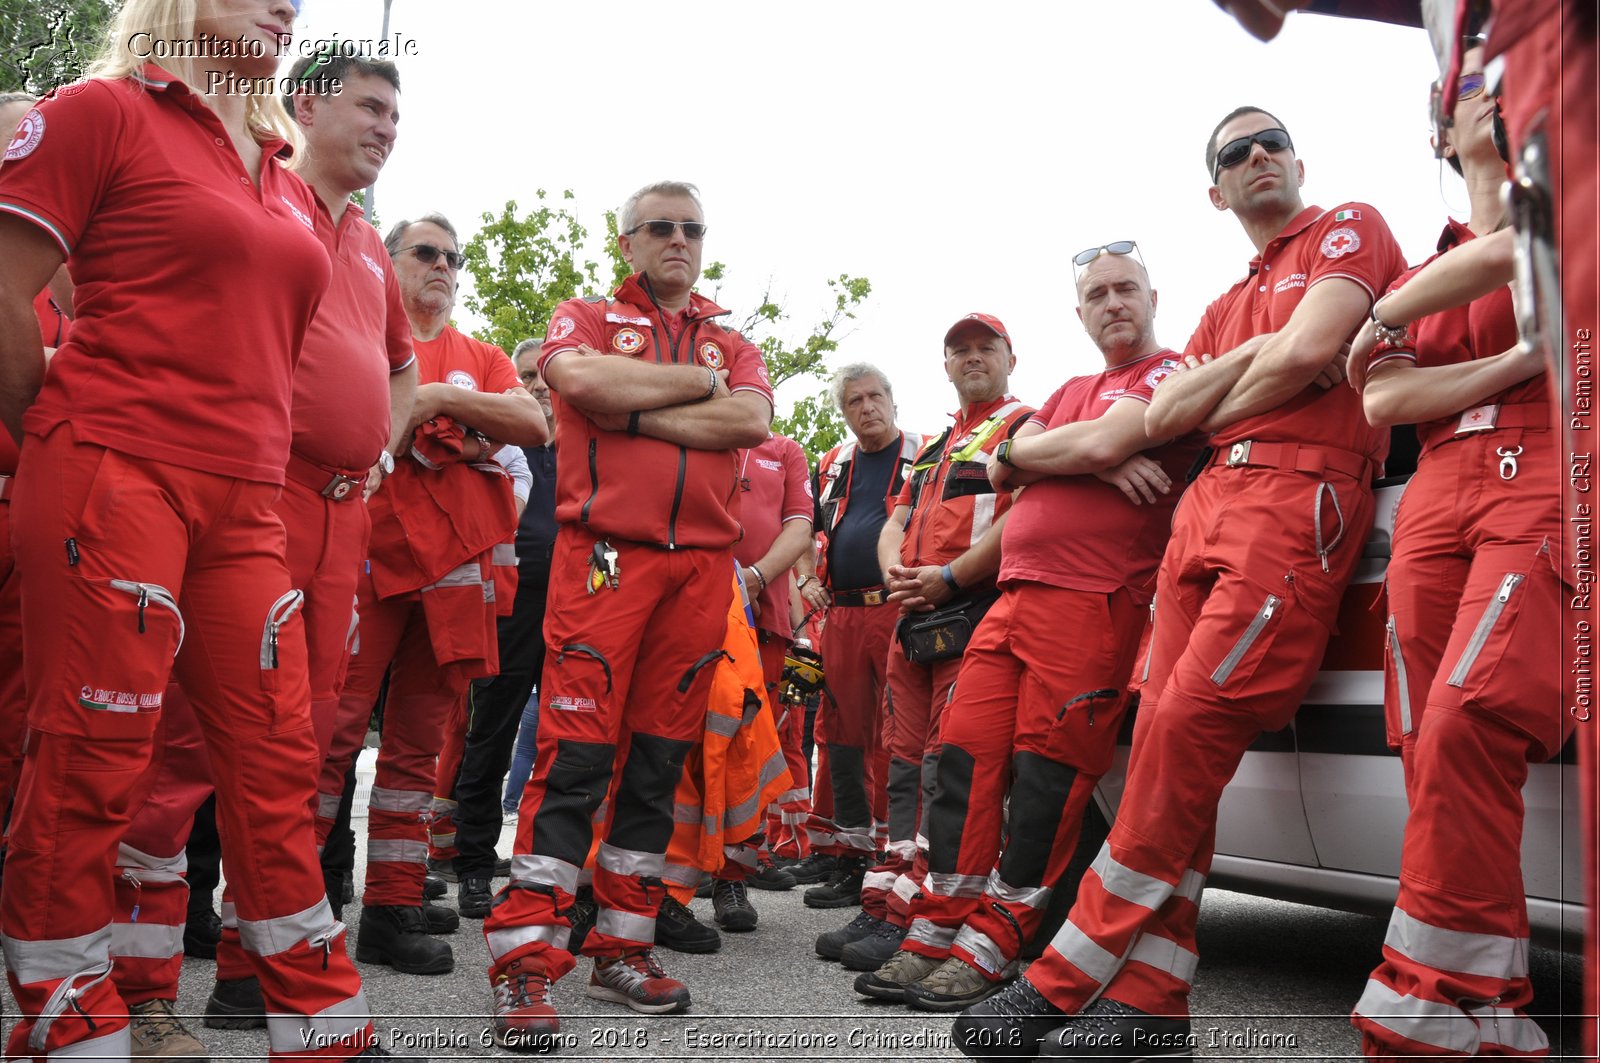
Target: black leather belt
870,596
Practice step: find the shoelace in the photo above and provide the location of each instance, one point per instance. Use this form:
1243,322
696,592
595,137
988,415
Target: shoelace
675,910
1019,1000
886,929
739,894
512,991
159,1022
1103,1015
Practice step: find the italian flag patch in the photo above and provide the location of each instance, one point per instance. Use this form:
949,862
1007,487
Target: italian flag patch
1347,215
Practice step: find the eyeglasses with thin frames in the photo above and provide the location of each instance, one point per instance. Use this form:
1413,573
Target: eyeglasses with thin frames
662,229
427,254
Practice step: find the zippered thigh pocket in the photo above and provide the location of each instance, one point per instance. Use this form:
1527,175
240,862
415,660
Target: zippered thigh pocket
273,635
1270,607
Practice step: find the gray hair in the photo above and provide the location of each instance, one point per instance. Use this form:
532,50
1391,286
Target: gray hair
391,243
677,189
524,346
853,372
8,98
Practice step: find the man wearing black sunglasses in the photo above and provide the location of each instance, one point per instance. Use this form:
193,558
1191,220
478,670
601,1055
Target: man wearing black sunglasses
653,399
1246,596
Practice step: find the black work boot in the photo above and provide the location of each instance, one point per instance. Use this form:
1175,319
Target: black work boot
397,935
439,919
731,907
841,890
581,916
679,930
832,943
1008,1025
202,929
873,951
475,897
818,867
236,1004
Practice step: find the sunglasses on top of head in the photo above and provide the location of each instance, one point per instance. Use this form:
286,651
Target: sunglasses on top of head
427,254
662,229
1236,151
1115,247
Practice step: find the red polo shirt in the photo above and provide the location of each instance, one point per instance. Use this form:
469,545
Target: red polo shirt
1080,532
955,506
359,336
1479,329
453,357
775,481
1351,241
636,487
194,286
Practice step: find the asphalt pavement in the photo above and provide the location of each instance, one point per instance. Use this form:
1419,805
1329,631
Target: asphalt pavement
1276,981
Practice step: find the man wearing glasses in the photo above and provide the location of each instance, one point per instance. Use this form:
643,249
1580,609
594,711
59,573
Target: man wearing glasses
1247,594
424,598
653,399
1041,688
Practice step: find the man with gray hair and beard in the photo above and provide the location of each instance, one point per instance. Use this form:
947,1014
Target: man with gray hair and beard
856,485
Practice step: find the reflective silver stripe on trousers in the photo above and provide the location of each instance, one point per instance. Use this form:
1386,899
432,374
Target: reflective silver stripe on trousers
1402,688
792,819
466,574
503,554
152,868
878,880
629,862
742,855
328,805
1165,955
982,948
112,1048
149,941
724,726
629,926
1084,953
953,885
337,1022
1030,896
268,937
852,838
1489,955
1191,886
230,915
682,874
545,870
687,814
789,797
45,961
1504,1027
1135,887
400,800
1440,1025
396,851
505,942
904,849
931,934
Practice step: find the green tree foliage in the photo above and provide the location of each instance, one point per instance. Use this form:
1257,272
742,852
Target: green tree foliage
46,43
525,265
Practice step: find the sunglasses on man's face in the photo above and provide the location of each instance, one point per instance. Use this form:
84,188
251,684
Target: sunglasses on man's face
1116,247
427,254
1236,151
662,229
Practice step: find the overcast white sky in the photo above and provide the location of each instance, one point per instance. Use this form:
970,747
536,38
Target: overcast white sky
956,154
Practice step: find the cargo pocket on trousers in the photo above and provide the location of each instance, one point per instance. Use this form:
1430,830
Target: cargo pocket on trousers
272,635
121,693
1253,634
1510,668
1398,721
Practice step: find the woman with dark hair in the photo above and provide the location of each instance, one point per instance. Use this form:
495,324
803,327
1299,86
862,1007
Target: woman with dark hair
151,457
1473,664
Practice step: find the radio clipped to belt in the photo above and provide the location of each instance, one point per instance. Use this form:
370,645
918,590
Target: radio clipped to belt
943,633
603,571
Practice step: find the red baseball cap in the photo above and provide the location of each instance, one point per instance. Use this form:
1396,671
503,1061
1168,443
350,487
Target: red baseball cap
988,321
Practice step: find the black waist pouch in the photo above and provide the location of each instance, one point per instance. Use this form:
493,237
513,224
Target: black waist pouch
943,633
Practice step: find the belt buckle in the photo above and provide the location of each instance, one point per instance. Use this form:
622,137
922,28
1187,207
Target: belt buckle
1239,453
1478,419
339,488
872,597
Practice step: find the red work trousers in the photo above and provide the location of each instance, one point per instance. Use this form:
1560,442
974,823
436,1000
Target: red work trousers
130,564
395,640
624,693
1473,695
916,698
787,818
442,808
326,542
855,652
1037,707
1243,612
13,701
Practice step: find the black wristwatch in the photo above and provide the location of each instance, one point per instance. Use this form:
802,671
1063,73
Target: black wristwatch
1002,453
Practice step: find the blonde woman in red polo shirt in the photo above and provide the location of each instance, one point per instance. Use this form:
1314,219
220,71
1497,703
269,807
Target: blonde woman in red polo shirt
144,524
